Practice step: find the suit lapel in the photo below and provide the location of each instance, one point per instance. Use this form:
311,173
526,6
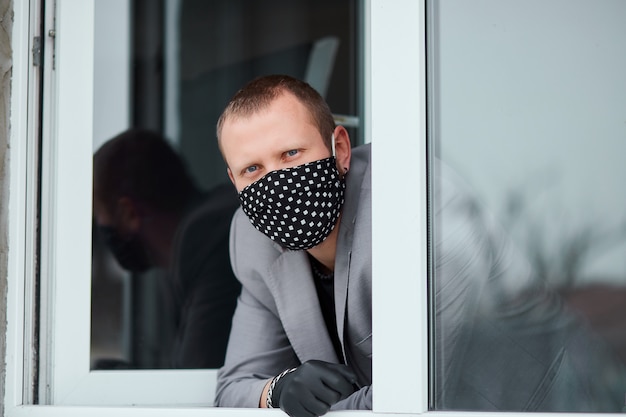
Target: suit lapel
343,251
298,307
342,272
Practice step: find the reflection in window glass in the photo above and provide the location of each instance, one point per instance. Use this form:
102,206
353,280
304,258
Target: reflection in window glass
528,125
162,199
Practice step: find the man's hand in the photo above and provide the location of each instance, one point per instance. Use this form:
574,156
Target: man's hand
313,388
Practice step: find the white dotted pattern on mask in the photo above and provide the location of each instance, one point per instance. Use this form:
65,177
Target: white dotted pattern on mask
296,207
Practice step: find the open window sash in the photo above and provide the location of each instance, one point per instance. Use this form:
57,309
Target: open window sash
394,73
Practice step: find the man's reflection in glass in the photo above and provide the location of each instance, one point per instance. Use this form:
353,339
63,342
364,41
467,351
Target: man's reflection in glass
504,340
150,214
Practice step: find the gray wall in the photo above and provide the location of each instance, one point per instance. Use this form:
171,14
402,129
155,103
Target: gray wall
6,23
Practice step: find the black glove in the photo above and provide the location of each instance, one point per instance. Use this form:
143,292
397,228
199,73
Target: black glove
313,388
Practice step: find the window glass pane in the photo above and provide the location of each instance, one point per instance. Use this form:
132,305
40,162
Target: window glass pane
163,297
528,133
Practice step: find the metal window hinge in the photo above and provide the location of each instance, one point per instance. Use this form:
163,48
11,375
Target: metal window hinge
41,42
36,51
37,47
52,34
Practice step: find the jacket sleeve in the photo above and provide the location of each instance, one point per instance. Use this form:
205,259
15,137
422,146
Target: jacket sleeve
258,348
360,400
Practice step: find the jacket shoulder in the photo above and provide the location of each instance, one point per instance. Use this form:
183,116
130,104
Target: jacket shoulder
251,252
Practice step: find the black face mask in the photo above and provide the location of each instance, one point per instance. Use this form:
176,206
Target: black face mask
297,207
129,252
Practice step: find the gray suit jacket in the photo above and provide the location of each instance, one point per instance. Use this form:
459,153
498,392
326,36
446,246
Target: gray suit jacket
278,323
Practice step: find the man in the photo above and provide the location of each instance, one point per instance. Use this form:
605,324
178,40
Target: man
305,306
301,337
151,214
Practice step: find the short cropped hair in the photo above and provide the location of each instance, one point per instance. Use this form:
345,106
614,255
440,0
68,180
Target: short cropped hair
142,165
259,93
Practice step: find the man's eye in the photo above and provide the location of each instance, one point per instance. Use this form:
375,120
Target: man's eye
251,169
292,152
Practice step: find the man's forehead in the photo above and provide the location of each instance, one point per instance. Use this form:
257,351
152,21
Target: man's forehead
277,114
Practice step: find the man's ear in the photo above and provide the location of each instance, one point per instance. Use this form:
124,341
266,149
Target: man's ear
343,149
128,216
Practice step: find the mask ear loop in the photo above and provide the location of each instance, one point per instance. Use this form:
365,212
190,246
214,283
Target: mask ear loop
345,170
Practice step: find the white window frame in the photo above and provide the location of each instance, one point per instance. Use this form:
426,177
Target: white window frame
395,118
395,106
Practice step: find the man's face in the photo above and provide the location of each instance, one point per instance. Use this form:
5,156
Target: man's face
280,136
120,236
